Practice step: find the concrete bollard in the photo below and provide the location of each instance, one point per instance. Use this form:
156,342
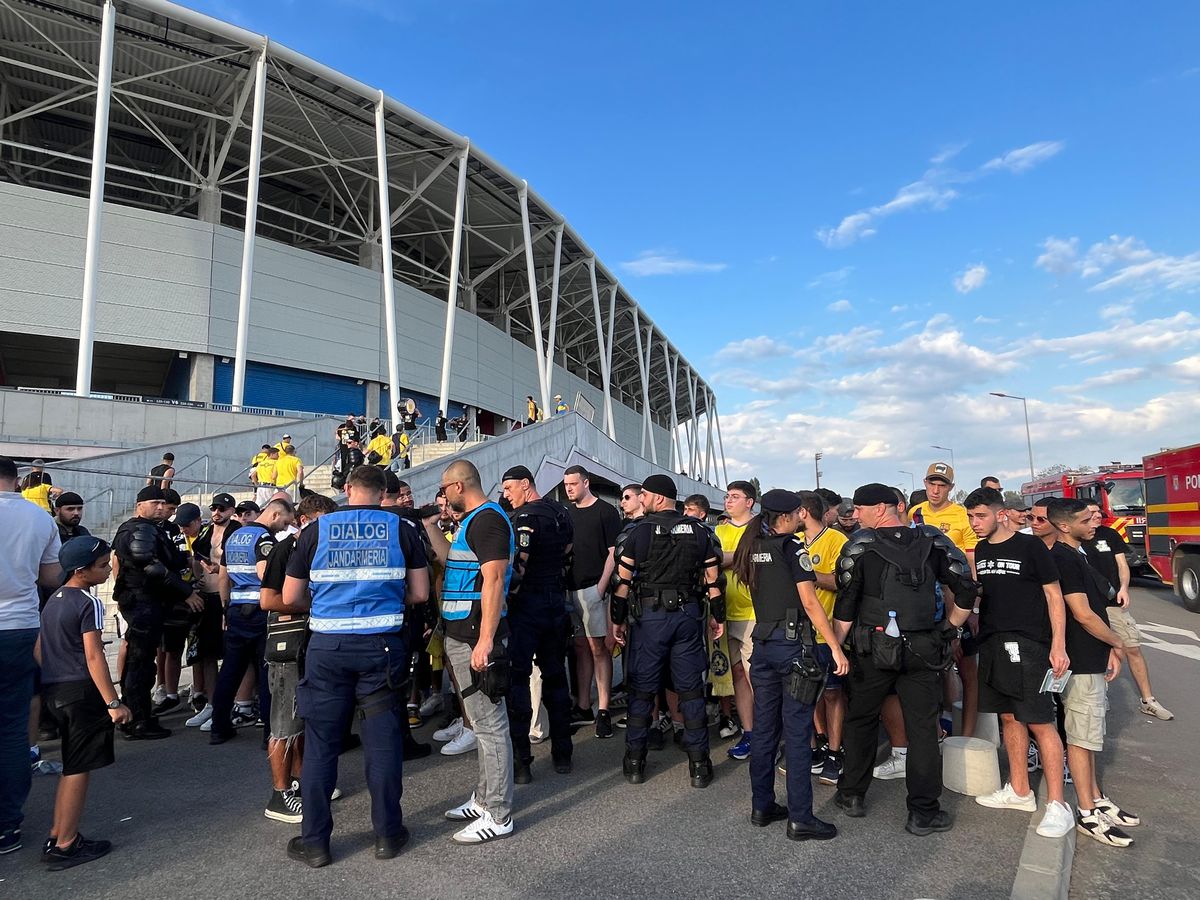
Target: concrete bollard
987,725
970,766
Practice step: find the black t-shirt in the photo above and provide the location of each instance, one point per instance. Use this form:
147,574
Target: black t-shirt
300,562
277,562
489,535
1102,551
1089,655
1013,574
70,613
596,529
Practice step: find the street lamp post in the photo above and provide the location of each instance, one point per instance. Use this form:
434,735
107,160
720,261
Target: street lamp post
1028,438
911,478
947,449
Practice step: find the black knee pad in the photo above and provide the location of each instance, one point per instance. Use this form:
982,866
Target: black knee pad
384,700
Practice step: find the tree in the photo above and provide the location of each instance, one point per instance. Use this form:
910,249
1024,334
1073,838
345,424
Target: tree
757,486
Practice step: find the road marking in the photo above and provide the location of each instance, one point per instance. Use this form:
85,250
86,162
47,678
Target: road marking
1168,629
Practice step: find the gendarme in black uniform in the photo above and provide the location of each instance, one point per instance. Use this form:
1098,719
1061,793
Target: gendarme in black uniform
882,570
539,625
667,554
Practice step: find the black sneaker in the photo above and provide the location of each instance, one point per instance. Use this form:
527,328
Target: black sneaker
313,857
199,701
1099,827
581,717
243,718
522,773
165,705
10,840
146,731
81,851
604,726
285,806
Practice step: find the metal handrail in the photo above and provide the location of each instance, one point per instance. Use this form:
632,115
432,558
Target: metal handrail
168,401
205,457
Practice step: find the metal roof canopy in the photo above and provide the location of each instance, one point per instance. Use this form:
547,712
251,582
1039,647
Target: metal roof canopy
180,131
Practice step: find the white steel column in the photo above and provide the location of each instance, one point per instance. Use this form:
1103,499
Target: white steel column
455,257
385,237
710,454
693,428
256,138
604,368
637,335
608,358
558,234
534,304
672,384
720,442
91,259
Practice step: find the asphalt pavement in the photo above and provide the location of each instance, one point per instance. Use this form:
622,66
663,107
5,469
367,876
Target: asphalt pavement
186,820
1150,767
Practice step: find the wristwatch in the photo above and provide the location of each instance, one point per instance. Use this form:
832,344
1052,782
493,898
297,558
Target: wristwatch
114,703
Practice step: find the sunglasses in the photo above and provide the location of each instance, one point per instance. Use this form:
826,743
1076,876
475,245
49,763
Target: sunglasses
219,508
1039,518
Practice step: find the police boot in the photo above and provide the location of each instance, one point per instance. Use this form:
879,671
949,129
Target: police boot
700,768
634,767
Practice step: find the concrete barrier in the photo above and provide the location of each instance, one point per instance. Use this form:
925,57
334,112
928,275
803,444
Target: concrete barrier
970,766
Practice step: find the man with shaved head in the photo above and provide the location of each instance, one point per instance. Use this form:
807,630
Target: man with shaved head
478,573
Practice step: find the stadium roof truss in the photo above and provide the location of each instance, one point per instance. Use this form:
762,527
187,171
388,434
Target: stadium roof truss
199,115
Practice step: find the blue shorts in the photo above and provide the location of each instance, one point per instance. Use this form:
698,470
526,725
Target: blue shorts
825,657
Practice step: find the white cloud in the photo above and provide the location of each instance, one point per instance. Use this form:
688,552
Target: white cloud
1059,256
1121,262
840,306
836,277
932,191
667,262
984,320
754,348
971,279
948,153
901,307
1024,158
1126,340
1115,310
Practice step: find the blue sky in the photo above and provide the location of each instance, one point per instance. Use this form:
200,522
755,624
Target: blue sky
855,219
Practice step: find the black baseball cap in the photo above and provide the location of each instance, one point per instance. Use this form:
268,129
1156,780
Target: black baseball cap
187,514
248,506
170,495
81,552
68,498
516,473
225,500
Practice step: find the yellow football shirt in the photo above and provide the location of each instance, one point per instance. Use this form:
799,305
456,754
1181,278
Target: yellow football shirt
824,551
953,522
265,470
738,604
286,469
381,444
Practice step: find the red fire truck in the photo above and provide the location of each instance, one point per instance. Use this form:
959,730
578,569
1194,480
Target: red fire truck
1173,514
1120,491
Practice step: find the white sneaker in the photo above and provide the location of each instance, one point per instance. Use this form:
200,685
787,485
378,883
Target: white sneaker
464,743
1152,707
484,829
466,812
450,732
1115,814
895,766
1007,798
1058,820
159,694
432,704
201,719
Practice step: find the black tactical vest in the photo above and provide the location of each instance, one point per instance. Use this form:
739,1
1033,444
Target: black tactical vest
674,560
552,534
775,590
907,584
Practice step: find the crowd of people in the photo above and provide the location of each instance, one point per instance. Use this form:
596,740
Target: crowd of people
795,626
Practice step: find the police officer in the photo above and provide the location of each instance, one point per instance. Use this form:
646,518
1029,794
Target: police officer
148,581
773,564
243,562
887,602
362,565
538,619
666,567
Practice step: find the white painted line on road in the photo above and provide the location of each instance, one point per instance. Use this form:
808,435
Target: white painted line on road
1154,627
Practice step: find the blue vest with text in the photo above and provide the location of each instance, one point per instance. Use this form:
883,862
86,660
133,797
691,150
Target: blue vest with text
463,581
357,573
243,569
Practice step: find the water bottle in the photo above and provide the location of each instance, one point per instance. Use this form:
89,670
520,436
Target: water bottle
893,628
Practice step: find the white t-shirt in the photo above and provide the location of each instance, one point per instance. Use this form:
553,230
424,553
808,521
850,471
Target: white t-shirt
30,541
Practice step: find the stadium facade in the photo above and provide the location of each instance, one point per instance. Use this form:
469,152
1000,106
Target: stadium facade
193,212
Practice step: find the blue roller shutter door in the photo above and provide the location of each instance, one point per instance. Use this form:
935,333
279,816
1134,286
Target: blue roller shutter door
278,387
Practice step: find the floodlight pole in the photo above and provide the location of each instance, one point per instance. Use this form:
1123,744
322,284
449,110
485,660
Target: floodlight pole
91,259
534,304
455,260
251,227
385,238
